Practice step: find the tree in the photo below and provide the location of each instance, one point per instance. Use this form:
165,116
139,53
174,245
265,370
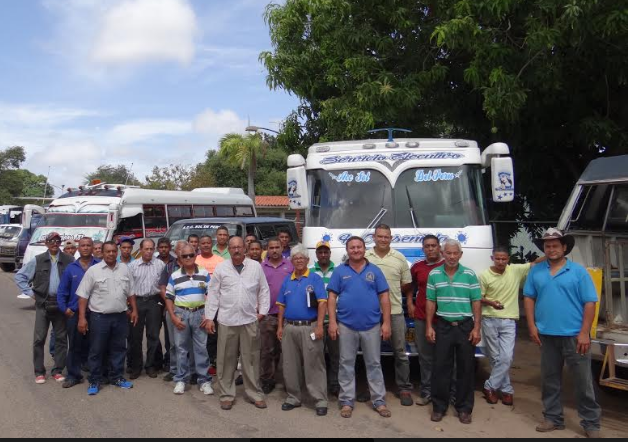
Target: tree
16,182
549,77
173,177
110,174
243,151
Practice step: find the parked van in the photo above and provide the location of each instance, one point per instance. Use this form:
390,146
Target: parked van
9,237
263,228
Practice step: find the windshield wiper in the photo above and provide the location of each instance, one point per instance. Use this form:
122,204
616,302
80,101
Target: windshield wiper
412,212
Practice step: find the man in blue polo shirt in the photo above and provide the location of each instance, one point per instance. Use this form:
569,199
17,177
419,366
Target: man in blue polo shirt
359,315
560,303
302,303
68,304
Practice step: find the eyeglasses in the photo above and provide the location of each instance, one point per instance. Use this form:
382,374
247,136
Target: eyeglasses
54,241
188,256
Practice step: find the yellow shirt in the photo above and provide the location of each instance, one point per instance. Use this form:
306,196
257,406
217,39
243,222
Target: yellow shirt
209,264
397,272
505,289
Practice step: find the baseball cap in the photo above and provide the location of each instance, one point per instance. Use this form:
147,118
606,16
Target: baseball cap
69,243
323,244
53,235
126,239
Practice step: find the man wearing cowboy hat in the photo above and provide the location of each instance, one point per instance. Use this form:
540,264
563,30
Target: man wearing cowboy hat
560,303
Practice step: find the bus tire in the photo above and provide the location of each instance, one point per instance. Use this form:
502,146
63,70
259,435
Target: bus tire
9,268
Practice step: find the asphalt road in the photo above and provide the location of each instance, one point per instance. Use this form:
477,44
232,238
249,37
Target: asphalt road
152,410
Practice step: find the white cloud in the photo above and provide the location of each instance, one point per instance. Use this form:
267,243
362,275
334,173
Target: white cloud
138,31
219,123
43,115
144,130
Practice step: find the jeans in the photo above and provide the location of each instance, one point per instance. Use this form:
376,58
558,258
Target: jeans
149,318
173,348
43,320
192,336
402,362
453,349
557,351
51,344
107,337
76,352
499,336
371,342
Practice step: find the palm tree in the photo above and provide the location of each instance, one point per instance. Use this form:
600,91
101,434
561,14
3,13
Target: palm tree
243,150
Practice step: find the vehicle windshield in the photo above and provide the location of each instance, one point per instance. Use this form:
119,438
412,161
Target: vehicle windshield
181,232
69,233
443,197
9,232
74,220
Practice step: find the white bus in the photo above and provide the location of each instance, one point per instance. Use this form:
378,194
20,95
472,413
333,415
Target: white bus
416,186
104,212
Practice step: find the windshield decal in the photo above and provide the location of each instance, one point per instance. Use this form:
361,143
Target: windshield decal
462,237
435,175
201,226
69,233
346,177
395,157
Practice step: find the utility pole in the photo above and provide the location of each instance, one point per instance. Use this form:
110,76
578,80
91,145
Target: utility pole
43,201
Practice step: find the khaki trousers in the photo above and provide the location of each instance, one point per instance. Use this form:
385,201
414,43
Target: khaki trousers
304,360
242,340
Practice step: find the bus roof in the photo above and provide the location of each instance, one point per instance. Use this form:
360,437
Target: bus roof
402,143
606,170
198,197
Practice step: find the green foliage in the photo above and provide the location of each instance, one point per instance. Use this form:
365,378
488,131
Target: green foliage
110,174
173,177
549,77
16,182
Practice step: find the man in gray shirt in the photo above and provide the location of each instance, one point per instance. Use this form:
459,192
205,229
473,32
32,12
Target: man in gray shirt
106,288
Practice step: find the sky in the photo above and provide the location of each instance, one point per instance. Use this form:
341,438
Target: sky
136,82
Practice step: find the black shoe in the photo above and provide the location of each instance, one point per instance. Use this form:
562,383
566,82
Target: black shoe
364,397
152,373
135,374
194,379
268,388
239,381
289,407
321,411
169,377
71,383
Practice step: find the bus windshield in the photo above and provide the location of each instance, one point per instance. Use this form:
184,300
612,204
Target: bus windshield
182,231
74,220
444,197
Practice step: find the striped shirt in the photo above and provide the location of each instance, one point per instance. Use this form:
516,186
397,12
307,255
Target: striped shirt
454,297
146,277
325,275
188,291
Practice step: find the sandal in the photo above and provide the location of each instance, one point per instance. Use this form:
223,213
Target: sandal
383,411
346,412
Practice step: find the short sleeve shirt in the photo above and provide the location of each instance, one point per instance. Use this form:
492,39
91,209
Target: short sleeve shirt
189,291
358,305
209,264
107,289
560,299
397,272
294,295
420,272
505,289
454,297
275,277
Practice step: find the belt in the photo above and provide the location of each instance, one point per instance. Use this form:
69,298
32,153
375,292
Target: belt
299,323
147,297
457,323
273,315
195,309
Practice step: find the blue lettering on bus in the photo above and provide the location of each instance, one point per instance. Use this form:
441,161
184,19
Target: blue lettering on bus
435,175
399,156
404,239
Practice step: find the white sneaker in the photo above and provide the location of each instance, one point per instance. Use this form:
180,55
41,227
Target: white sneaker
207,389
179,388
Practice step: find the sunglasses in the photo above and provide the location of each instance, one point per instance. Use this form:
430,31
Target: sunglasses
54,241
188,256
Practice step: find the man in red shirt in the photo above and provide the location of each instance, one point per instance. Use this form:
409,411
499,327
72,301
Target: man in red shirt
420,271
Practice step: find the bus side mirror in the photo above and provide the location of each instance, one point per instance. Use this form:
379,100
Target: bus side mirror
112,217
298,193
503,180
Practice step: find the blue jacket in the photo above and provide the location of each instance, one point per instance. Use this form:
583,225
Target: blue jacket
70,281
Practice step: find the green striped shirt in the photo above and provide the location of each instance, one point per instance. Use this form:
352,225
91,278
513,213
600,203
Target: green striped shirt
325,275
453,297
